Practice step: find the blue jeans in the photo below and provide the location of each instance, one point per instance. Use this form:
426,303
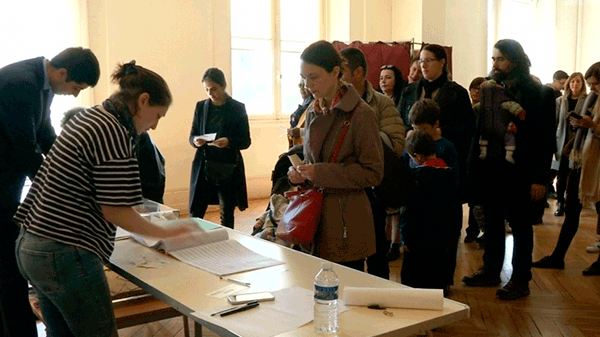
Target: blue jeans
71,286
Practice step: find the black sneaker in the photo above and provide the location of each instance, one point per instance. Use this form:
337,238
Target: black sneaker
481,279
592,270
513,290
393,254
560,209
548,262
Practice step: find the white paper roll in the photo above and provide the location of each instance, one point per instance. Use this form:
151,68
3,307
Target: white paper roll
409,298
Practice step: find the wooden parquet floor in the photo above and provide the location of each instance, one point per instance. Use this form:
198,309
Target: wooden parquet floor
562,302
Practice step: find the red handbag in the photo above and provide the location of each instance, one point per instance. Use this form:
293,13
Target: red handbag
303,213
299,222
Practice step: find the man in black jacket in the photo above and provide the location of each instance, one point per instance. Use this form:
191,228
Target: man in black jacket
26,134
507,190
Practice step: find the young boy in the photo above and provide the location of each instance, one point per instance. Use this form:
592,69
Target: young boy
425,116
431,221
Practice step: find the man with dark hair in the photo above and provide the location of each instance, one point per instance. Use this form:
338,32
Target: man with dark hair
26,134
558,82
510,190
391,130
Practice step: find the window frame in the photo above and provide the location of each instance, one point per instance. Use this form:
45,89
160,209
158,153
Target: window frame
276,48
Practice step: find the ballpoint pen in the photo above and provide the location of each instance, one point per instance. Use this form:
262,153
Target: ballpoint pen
241,308
235,309
247,284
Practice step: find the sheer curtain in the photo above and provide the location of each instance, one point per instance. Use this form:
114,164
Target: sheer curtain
32,28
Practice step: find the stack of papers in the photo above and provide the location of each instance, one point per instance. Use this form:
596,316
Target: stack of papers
210,250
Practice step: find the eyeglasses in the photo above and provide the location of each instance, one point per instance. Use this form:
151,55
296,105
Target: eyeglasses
387,66
427,61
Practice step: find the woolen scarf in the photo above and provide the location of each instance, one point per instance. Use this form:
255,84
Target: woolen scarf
431,86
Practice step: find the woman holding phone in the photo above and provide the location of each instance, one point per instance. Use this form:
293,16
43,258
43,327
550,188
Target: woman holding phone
346,233
567,105
583,183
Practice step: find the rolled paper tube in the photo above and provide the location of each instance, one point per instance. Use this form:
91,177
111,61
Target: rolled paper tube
409,298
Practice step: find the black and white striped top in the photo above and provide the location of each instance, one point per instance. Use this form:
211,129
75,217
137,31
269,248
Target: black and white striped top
92,163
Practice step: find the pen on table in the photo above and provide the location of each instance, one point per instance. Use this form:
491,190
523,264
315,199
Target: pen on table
241,308
247,284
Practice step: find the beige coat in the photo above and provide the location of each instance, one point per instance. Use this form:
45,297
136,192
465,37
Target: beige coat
589,184
346,232
388,117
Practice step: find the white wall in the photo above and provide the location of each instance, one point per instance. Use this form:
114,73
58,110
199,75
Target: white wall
461,24
590,48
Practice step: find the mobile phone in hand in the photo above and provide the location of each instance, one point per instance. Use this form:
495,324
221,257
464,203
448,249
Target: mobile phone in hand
575,115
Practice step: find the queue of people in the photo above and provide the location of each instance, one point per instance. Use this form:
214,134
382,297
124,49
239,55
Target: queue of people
86,180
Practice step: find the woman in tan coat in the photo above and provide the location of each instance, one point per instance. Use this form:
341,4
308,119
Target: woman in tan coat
346,234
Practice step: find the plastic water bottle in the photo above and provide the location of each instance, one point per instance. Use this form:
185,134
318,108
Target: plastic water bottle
326,300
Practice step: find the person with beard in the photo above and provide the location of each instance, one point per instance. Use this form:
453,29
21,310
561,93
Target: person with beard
507,190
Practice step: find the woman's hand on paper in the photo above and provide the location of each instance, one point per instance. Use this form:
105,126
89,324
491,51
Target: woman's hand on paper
198,141
294,176
307,171
179,227
221,143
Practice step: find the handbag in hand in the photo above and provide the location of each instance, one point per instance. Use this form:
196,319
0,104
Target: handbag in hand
219,165
303,214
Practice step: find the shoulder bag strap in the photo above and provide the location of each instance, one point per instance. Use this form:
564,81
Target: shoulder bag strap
342,135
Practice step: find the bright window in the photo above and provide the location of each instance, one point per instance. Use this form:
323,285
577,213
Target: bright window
33,28
533,24
267,37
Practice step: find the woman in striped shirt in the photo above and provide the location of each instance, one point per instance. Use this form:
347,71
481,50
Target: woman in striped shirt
88,184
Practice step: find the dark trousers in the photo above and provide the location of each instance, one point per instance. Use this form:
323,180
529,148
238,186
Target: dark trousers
227,201
17,319
472,225
377,264
505,194
562,178
572,212
424,267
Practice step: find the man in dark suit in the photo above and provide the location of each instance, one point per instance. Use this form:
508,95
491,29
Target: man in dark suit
26,135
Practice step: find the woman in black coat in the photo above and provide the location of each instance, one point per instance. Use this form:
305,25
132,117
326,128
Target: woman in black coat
457,120
218,169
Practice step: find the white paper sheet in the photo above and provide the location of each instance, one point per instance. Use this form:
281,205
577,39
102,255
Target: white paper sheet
292,308
207,137
223,258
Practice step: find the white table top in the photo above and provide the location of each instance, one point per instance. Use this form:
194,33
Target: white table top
185,287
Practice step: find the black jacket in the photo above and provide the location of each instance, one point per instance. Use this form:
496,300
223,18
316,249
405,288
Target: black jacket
235,127
26,131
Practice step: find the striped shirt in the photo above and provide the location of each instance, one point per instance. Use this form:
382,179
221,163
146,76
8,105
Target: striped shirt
91,164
